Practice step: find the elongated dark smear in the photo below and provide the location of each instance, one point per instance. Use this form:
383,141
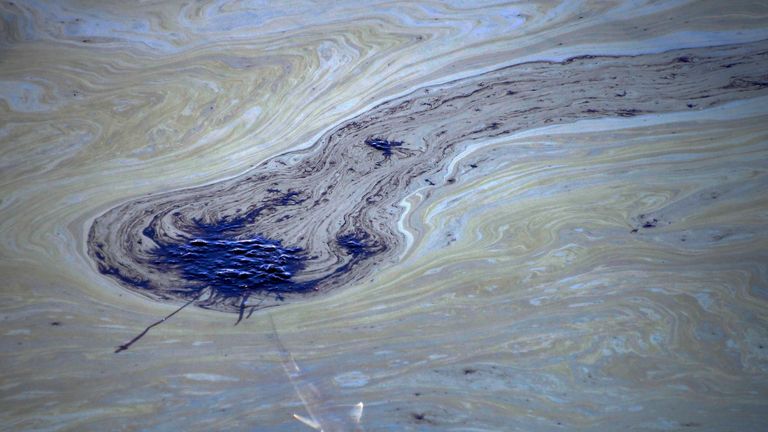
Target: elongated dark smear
242,308
128,344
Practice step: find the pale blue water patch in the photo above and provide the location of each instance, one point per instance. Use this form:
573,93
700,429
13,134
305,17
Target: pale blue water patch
23,96
234,20
60,20
351,379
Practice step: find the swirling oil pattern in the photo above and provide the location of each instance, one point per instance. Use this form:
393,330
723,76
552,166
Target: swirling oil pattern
349,183
468,215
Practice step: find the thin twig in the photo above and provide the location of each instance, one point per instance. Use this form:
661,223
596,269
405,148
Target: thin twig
128,344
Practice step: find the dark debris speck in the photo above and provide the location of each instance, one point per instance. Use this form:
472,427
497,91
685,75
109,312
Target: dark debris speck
650,223
385,146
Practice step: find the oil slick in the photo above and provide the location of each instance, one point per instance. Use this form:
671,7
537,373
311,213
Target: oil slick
524,269
320,416
334,205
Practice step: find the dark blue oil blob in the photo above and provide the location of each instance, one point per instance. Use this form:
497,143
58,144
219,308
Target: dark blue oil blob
356,245
290,198
217,257
384,145
234,268
220,259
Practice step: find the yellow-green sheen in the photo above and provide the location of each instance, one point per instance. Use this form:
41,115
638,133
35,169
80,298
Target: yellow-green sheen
523,292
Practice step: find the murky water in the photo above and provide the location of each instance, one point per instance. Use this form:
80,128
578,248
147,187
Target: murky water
470,216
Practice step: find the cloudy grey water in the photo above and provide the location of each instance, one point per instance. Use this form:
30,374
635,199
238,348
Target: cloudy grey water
598,269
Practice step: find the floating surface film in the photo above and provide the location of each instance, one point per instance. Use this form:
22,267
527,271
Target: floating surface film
476,215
